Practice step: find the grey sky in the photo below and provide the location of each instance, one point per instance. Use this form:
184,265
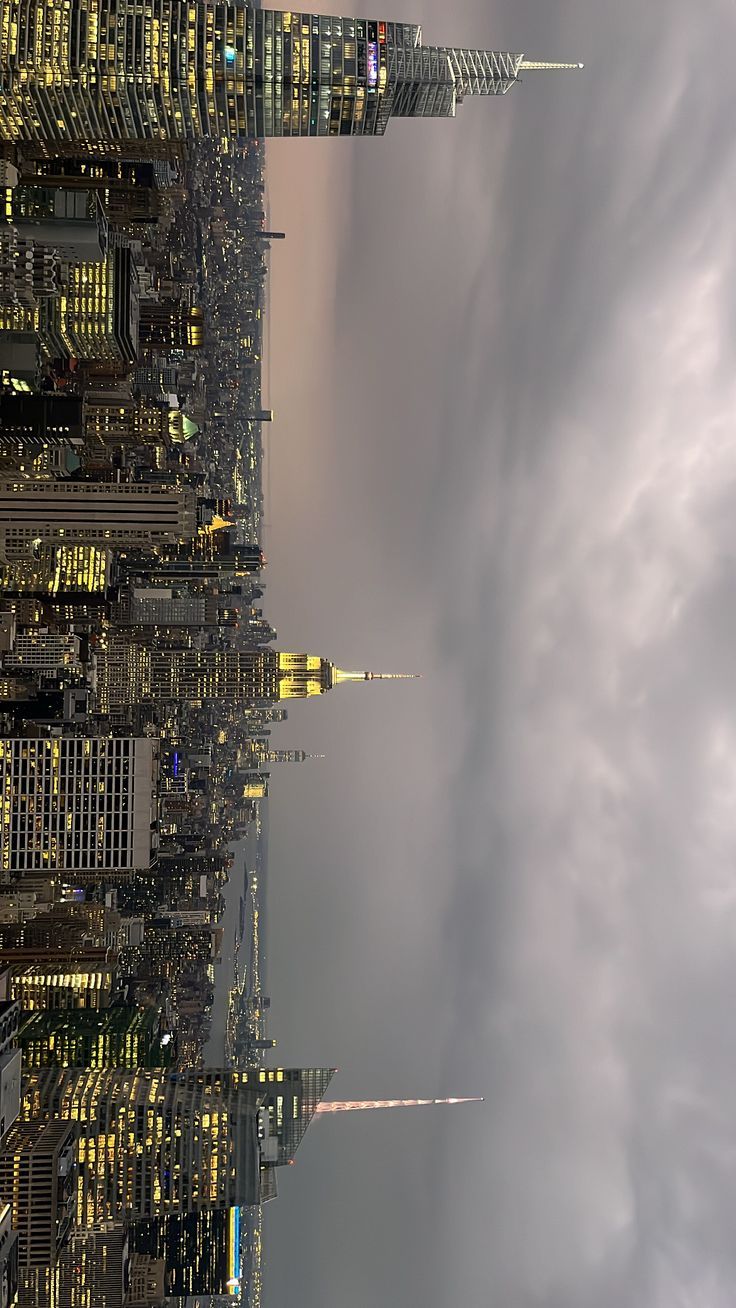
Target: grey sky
503,378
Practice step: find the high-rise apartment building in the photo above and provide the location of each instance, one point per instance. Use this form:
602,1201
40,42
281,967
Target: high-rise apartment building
43,651
172,71
76,806
67,512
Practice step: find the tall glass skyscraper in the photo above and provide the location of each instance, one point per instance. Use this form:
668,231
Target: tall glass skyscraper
101,70
151,1143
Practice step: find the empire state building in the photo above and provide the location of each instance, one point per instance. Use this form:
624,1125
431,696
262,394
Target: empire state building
133,674
92,71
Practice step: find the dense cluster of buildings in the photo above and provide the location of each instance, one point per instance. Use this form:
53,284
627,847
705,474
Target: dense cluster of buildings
139,685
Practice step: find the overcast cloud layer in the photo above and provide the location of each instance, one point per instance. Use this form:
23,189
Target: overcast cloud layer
503,455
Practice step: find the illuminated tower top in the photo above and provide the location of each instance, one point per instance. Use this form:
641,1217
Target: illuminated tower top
363,1105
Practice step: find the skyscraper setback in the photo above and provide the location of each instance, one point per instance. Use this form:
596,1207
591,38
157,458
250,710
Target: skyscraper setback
84,70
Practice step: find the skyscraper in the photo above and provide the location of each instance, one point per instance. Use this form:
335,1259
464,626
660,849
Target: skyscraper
65,512
132,674
157,1142
165,70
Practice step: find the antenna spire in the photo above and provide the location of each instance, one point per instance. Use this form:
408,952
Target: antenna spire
361,1105
545,67
341,675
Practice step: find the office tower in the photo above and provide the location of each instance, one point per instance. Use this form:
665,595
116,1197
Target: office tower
37,1179
123,1036
99,513
69,984
146,1283
227,71
128,674
82,807
92,1271
171,325
154,1142
115,417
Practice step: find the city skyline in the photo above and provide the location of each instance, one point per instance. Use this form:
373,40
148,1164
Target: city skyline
499,358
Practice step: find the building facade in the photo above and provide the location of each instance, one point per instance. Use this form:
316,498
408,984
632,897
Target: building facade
76,806
67,512
70,984
154,1142
124,1036
37,1179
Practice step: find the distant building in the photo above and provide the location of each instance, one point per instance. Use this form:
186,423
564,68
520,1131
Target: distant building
165,606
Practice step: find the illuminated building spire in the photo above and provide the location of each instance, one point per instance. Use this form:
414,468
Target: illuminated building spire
545,67
360,1105
341,675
